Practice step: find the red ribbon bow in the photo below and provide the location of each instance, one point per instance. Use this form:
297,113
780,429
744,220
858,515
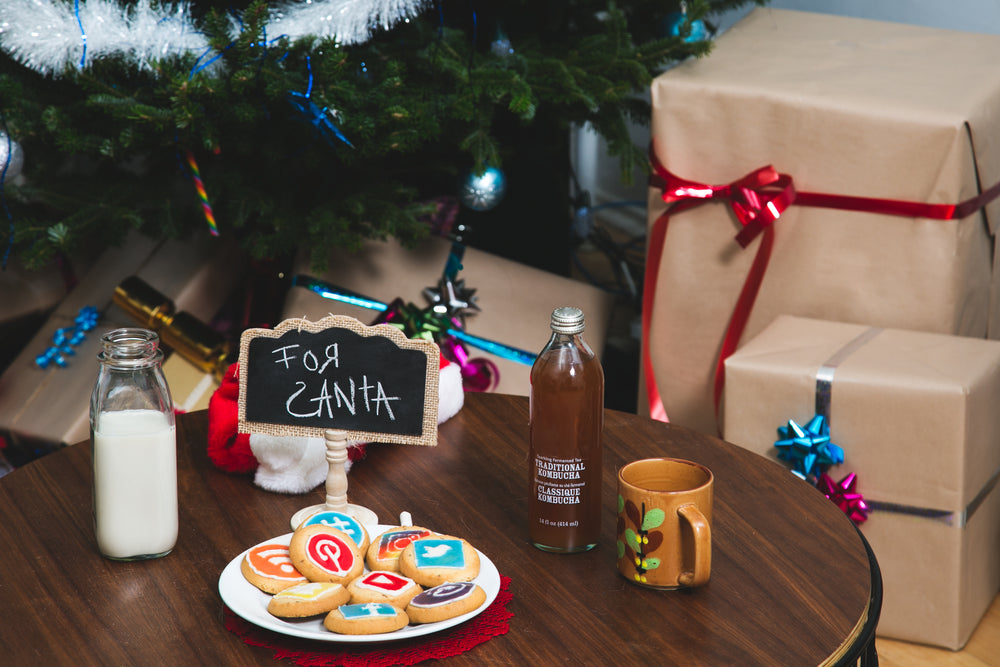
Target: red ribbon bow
758,199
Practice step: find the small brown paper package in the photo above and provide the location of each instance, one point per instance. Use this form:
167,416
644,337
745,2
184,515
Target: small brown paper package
844,106
515,300
916,416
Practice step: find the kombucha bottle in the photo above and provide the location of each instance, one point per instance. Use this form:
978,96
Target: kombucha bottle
567,420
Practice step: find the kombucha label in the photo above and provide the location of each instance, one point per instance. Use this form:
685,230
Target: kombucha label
559,481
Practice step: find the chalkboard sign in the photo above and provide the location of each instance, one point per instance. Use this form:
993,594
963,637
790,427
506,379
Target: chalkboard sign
303,377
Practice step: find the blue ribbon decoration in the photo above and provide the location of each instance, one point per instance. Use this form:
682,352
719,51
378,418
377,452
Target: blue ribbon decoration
318,118
808,448
335,293
66,338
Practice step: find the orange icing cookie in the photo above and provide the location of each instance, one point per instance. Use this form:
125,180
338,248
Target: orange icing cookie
269,568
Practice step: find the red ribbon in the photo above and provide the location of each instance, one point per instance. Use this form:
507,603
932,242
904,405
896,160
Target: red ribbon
757,199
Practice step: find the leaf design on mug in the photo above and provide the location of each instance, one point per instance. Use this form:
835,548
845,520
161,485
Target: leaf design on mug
621,549
653,541
633,540
650,563
621,503
654,519
632,512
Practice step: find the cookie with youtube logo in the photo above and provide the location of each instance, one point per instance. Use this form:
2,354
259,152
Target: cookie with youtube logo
381,586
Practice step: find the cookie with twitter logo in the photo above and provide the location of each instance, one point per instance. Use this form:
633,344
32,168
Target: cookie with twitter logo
440,559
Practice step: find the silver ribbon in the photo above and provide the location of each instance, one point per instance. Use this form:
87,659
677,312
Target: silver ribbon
824,392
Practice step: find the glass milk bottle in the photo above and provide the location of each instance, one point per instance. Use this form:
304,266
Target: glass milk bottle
567,419
134,449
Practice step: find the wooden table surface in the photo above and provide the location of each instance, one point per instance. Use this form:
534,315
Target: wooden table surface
791,578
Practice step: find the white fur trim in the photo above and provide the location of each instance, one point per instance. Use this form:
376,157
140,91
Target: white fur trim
451,396
289,464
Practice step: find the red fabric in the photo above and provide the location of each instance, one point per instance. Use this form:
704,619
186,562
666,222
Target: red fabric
445,644
228,449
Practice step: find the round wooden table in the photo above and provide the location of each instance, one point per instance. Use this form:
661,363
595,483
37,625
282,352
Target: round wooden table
793,582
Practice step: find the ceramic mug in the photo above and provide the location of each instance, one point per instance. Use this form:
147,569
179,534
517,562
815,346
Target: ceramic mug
664,523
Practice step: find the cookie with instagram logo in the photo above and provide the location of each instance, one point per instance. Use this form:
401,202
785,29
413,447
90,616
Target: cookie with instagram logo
430,561
384,551
445,601
369,618
309,599
269,568
382,586
323,553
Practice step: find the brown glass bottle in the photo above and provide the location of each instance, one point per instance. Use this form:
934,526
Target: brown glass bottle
567,421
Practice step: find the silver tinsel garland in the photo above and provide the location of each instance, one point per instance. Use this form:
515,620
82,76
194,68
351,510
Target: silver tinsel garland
53,37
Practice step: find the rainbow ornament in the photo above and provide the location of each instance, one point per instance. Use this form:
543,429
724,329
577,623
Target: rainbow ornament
206,207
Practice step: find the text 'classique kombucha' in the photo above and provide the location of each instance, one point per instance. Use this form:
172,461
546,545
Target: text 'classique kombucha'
567,420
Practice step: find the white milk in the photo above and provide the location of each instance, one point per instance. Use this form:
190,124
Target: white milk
135,484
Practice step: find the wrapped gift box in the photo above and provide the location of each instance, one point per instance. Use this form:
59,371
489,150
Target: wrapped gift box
516,301
916,415
843,106
41,409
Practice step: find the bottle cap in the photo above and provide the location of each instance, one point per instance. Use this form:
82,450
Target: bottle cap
567,320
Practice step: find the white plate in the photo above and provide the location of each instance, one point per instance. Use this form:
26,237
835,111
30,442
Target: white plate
250,603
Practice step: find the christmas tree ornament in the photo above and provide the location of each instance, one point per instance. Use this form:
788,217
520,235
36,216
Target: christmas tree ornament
484,191
11,158
675,21
501,47
199,186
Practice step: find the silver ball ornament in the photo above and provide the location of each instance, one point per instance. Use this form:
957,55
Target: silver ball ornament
484,191
12,155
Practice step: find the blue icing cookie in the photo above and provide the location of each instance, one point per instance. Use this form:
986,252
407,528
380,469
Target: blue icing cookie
367,610
431,552
342,522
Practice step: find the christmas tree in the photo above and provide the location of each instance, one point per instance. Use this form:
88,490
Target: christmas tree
293,125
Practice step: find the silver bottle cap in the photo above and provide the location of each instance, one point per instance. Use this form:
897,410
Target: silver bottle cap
567,320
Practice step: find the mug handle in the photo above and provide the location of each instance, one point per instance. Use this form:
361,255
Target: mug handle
702,547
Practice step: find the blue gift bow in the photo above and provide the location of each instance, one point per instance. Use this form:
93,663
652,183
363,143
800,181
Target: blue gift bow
335,293
66,338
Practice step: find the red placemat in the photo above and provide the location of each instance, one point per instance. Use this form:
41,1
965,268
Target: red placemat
453,641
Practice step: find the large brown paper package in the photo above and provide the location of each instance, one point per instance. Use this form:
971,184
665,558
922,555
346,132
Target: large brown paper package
916,415
43,409
844,106
516,301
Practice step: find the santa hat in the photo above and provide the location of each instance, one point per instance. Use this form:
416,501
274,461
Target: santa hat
293,464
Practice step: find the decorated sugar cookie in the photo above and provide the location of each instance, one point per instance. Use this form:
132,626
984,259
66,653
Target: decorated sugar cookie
308,599
383,554
445,601
323,553
430,561
342,522
269,568
370,618
381,586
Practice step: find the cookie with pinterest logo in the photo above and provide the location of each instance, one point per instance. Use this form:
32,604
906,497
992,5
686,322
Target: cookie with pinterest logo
369,618
323,553
445,601
269,568
308,599
430,561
